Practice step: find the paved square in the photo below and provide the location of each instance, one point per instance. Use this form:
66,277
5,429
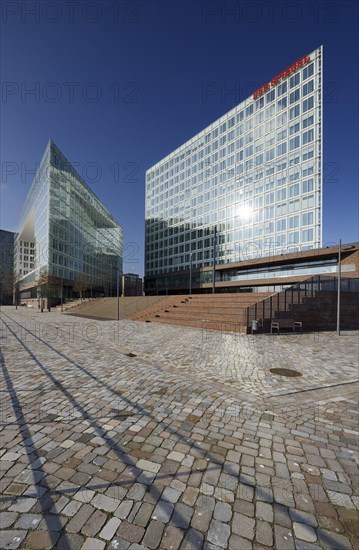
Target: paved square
142,436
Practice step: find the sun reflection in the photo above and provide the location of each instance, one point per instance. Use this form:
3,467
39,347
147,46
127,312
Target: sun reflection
244,211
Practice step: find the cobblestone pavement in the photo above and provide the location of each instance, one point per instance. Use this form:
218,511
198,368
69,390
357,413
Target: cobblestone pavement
141,436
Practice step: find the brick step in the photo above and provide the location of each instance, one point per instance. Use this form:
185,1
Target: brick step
216,308
172,316
252,297
204,325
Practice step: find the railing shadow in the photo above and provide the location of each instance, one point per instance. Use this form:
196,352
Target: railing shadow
45,499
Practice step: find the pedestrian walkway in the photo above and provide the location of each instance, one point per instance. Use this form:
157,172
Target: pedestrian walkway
127,435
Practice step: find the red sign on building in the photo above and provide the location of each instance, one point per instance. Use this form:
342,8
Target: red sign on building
281,76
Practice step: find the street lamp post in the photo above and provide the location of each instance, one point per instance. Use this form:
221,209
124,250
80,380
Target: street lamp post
117,268
339,285
118,293
62,295
190,273
214,260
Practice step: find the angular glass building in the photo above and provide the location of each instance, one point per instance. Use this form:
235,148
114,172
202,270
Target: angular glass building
65,233
253,178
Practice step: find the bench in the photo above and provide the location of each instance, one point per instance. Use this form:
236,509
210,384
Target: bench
286,323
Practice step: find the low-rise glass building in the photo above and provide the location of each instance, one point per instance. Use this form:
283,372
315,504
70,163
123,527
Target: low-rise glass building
66,234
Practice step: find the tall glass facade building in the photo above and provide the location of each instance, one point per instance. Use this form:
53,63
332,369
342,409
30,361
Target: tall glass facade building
64,231
254,175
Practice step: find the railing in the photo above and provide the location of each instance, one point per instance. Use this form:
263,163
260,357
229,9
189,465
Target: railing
266,310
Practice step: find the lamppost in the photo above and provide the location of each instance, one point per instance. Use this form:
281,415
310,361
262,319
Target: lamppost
214,260
117,268
118,293
190,273
62,295
340,250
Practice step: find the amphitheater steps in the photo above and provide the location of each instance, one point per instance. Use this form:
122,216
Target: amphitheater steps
207,311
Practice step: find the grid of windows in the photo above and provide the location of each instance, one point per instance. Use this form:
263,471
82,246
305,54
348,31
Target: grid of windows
24,257
74,237
248,175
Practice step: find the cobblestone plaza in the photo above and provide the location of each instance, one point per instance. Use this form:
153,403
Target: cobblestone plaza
128,435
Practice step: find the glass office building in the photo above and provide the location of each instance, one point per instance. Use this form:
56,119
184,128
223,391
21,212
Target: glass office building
254,177
65,232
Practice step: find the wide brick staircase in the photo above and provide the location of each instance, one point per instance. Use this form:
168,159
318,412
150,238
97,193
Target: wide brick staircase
312,302
207,311
106,308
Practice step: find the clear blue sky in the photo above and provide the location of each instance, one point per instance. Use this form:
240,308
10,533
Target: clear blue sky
119,85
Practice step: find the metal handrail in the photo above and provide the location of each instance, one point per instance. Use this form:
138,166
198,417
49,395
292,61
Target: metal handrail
295,294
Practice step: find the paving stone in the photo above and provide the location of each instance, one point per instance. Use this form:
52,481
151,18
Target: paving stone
283,538
104,503
222,511
136,492
302,545
181,515
153,534
190,496
333,540
94,524
193,540
303,517
134,511
130,531
93,544
69,541
264,533
11,457
235,543
79,519
23,505
52,523
171,495
174,455
172,538
118,543
207,502
201,519
12,539
243,526
304,532
340,499
71,508
144,514
148,466
42,539
163,511
110,529
124,509
264,511
7,519
219,533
